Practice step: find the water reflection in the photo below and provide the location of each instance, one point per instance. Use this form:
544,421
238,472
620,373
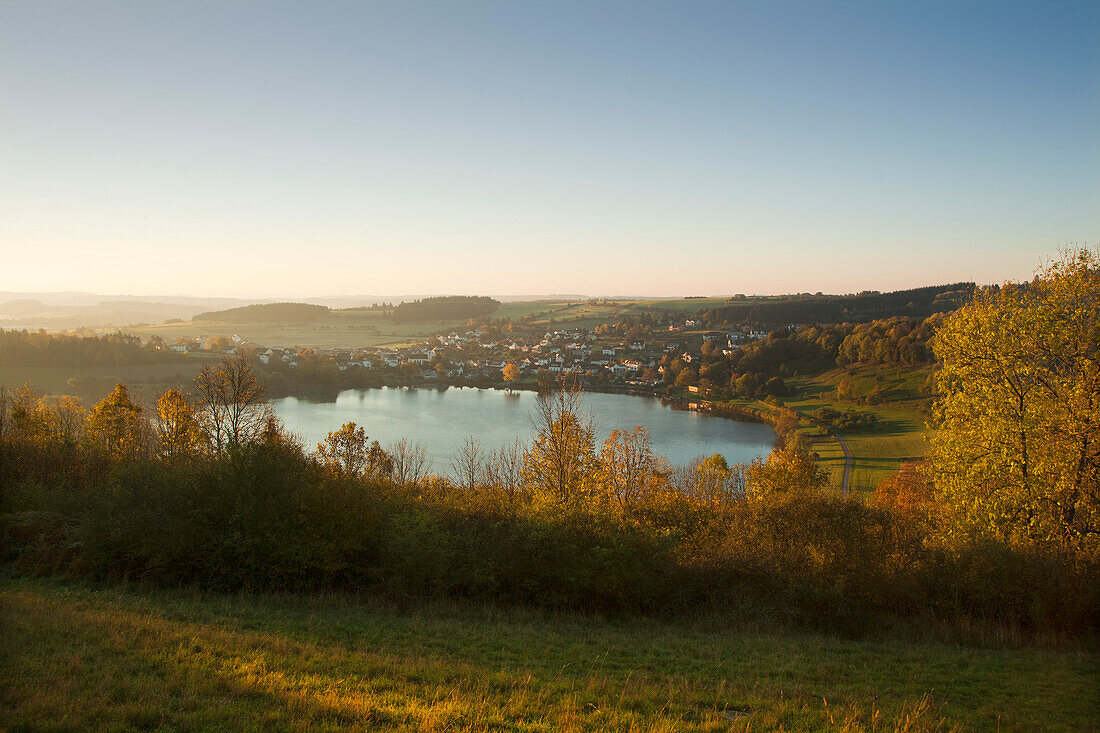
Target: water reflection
441,418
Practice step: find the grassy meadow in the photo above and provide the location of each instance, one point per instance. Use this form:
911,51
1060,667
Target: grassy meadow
77,656
341,329
899,435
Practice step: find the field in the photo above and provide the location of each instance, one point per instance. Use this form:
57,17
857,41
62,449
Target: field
356,328
340,329
900,434
75,656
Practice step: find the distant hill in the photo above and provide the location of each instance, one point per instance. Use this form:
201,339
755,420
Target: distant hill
34,313
860,308
283,313
446,308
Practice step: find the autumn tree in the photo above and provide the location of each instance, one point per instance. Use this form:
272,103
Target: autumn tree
713,481
786,470
908,492
687,377
116,425
25,419
510,372
64,417
177,426
1017,451
628,468
231,401
345,451
561,462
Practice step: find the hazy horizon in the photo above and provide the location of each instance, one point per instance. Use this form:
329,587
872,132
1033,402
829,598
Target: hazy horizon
284,150
75,295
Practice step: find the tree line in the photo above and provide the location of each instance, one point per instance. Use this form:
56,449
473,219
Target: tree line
278,313
445,308
756,370
39,348
862,307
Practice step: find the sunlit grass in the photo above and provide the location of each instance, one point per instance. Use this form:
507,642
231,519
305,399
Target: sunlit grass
899,436
77,657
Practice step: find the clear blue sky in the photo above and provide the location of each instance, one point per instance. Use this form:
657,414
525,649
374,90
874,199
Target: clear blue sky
281,149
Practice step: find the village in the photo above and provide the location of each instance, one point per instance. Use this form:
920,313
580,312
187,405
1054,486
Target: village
480,355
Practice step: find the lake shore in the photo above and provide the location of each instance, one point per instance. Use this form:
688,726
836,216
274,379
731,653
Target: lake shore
440,416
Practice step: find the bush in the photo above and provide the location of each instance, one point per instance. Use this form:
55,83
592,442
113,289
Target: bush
846,421
268,517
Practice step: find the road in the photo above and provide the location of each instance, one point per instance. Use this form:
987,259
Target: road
847,464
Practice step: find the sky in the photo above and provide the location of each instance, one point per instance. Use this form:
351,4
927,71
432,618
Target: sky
277,149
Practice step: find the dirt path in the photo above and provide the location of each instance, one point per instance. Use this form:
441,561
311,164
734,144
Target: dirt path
847,464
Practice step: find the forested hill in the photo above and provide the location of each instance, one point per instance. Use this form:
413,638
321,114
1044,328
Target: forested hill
446,308
268,313
861,308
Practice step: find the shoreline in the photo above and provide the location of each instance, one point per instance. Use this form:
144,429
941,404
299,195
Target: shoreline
736,413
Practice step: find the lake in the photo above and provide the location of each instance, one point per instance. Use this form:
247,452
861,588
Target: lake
441,419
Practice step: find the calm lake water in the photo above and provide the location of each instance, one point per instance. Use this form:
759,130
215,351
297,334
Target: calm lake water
442,418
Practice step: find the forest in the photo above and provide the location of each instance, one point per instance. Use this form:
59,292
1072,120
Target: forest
42,349
915,303
281,313
445,308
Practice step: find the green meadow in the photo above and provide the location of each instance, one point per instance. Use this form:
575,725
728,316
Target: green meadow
77,656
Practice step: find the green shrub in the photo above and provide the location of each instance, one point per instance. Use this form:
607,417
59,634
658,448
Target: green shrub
269,517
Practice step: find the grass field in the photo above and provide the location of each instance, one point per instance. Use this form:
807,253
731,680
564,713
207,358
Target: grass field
74,656
899,436
342,329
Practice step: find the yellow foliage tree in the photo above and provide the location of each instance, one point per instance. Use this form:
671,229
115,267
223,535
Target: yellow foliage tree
561,463
786,470
345,451
28,420
629,471
713,481
178,426
115,425
1017,451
